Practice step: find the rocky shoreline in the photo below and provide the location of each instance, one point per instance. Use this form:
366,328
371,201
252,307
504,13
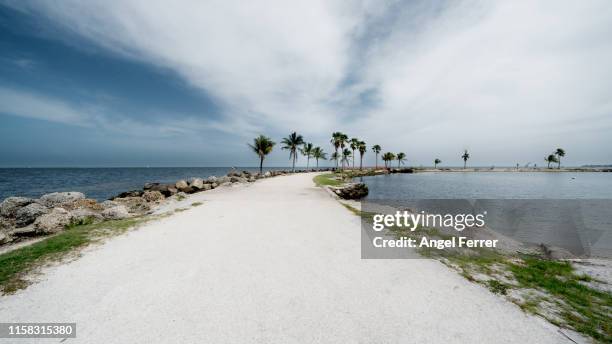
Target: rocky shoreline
22,218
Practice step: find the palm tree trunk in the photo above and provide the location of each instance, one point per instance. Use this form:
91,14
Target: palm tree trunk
317,164
261,164
559,164
353,159
376,161
360,162
307,162
464,164
293,163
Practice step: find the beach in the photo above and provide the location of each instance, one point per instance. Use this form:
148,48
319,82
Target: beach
274,261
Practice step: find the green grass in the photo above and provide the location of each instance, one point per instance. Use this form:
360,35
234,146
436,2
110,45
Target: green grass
15,265
328,179
196,204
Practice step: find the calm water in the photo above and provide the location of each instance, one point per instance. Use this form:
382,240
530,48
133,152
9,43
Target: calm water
568,210
491,185
97,183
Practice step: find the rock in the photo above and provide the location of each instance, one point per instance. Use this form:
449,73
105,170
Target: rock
214,185
207,187
211,179
134,204
251,179
149,186
267,174
86,203
238,180
233,173
152,196
224,179
197,183
29,213
109,204
3,238
181,184
351,191
133,193
9,207
83,214
116,213
26,231
53,222
58,199
166,189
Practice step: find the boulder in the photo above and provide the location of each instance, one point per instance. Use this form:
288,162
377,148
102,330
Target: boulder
83,214
109,204
9,207
133,193
152,196
351,191
267,174
196,183
211,179
134,204
29,213
86,203
181,184
166,189
251,179
53,222
58,199
26,231
224,179
207,187
238,180
214,185
233,173
149,186
116,213
3,238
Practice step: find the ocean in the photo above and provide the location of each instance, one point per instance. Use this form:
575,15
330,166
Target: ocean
98,183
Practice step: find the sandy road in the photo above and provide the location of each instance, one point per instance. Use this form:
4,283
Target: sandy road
277,261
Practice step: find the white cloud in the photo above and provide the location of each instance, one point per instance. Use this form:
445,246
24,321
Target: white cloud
509,80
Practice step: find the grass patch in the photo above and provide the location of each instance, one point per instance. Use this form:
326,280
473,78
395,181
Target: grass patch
196,204
16,264
328,179
180,197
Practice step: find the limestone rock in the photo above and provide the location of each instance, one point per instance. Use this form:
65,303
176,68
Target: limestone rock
152,196
351,191
197,183
53,222
29,213
116,213
58,199
9,207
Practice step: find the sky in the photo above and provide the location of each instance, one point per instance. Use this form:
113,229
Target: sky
190,83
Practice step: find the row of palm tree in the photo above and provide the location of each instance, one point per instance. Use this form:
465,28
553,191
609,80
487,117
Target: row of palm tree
342,155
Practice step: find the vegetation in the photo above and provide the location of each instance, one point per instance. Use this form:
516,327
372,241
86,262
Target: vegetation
560,152
346,155
307,152
354,144
338,140
436,162
291,143
362,150
335,157
551,158
465,157
318,153
15,265
401,157
328,179
376,149
387,158
262,146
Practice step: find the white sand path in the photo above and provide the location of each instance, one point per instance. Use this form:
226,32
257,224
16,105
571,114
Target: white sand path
277,261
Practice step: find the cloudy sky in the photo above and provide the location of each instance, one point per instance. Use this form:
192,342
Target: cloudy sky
189,83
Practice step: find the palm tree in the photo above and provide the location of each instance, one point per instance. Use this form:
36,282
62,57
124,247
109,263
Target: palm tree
560,152
401,157
335,157
362,151
465,157
346,154
307,152
387,158
343,138
376,149
335,140
262,146
551,158
354,143
318,153
436,162
292,142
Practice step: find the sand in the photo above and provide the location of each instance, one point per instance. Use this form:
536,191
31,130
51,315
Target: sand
276,261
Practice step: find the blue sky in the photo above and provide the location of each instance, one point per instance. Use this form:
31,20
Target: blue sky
130,83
